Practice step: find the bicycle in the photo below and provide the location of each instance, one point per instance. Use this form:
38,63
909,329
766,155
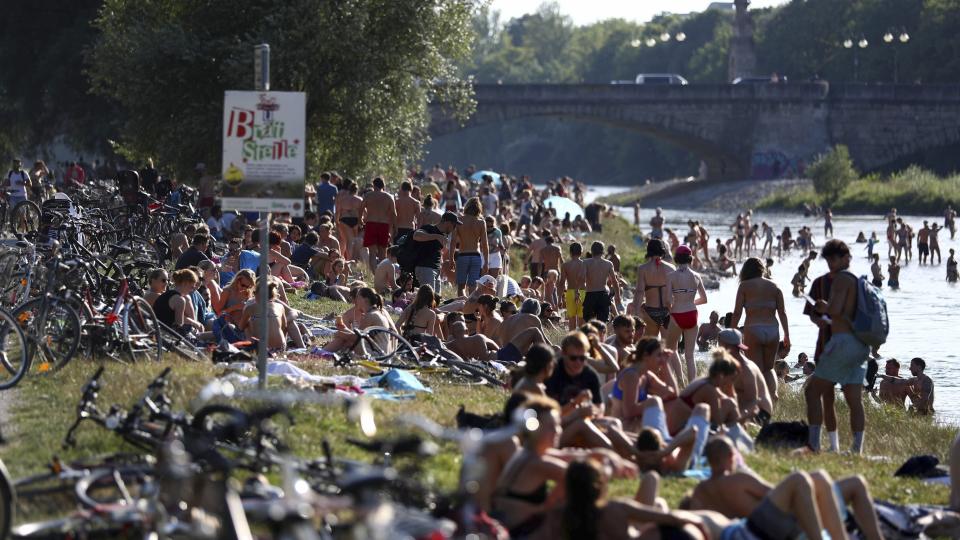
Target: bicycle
24,217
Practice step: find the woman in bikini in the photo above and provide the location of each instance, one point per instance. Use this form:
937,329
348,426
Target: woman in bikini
686,288
640,386
347,216
419,318
229,305
276,317
521,497
716,390
652,288
368,312
763,302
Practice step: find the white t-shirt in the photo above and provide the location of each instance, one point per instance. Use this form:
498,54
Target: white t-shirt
489,204
18,184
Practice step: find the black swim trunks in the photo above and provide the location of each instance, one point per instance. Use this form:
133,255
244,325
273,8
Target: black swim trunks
596,305
350,221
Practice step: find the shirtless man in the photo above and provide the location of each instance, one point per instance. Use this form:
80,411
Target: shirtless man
919,387
613,257
326,239
876,272
891,235
470,248
935,243
521,331
475,347
753,394
708,332
949,220
843,360
490,319
347,217
923,243
535,257
527,317
408,209
889,391
378,214
656,224
573,281
385,274
777,511
622,337
552,256
599,271
276,318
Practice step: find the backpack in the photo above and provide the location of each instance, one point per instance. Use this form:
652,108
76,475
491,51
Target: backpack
870,322
407,253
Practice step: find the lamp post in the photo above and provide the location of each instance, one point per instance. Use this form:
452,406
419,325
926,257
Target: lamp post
901,38
861,43
664,37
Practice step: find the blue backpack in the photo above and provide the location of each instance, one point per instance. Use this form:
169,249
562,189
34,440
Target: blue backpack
870,322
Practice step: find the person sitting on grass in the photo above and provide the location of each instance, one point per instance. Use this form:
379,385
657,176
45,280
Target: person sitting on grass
587,513
276,317
742,494
369,312
419,318
475,347
157,282
175,309
641,386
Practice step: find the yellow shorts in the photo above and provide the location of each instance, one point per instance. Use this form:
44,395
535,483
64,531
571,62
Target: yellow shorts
574,307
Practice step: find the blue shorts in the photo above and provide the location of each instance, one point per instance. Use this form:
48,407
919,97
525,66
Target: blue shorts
843,360
509,353
468,268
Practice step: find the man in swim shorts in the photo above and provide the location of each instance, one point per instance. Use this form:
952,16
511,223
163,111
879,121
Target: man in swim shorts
599,271
573,282
378,214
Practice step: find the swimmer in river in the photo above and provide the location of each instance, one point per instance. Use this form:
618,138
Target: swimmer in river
894,270
919,387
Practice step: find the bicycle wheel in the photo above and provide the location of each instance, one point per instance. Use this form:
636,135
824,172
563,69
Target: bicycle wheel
25,217
141,331
385,344
113,485
14,351
59,337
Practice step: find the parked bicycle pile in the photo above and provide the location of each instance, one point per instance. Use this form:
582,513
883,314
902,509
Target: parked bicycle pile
204,474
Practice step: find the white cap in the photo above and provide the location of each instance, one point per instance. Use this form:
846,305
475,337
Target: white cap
487,280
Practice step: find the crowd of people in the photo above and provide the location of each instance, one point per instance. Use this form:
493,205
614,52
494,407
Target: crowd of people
606,366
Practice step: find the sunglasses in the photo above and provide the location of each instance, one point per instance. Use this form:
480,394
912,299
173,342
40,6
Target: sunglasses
576,357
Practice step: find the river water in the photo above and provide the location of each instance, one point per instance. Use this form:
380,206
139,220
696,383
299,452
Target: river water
922,317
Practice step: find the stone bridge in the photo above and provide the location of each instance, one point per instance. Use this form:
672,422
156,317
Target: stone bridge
743,131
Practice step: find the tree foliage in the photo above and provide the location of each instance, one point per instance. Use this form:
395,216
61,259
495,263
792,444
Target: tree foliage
369,68
833,172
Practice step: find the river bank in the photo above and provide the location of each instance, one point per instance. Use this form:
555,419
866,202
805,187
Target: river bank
913,191
703,194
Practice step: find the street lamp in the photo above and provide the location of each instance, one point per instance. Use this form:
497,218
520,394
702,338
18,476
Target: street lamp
861,43
903,37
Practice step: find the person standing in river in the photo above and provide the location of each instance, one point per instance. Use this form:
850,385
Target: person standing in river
762,301
828,223
923,243
952,268
935,243
950,220
844,358
656,224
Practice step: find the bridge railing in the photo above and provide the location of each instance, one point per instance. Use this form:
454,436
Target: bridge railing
817,91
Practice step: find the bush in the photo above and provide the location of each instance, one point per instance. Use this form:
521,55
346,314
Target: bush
833,172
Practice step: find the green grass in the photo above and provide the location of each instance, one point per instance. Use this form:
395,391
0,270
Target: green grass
42,409
913,190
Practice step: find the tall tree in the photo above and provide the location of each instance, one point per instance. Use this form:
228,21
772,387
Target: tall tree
369,68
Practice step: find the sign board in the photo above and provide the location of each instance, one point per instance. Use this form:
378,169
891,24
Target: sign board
264,143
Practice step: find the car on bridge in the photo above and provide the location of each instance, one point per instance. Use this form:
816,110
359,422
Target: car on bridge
771,79
660,78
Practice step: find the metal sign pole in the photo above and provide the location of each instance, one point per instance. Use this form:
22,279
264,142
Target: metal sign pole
261,55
